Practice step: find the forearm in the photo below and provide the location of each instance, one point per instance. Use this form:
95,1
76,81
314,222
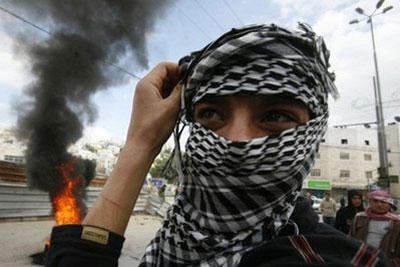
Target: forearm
114,206
156,107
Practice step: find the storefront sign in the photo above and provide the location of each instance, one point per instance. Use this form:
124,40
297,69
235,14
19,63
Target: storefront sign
317,184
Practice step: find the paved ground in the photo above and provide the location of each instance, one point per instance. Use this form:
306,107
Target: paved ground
20,239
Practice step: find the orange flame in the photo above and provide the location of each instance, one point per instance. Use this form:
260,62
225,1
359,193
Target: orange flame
65,204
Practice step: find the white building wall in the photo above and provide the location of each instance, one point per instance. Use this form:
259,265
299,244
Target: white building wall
393,145
10,148
360,142
105,153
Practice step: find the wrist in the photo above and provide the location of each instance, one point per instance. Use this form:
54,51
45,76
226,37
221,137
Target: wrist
134,160
145,150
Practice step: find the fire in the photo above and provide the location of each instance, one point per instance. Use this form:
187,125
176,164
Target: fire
66,205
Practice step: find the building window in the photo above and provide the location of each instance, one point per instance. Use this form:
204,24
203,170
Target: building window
344,142
322,140
344,155
16,159
367,157
344,173
366,142
368,175
316,172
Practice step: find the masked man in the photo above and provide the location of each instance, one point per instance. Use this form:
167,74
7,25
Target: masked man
256,104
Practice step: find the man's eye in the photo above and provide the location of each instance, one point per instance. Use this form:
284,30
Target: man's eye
209,114
277,117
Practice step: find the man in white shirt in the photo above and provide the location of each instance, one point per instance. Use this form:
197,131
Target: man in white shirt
328,209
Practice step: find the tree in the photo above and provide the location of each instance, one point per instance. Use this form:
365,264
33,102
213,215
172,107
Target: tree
160,169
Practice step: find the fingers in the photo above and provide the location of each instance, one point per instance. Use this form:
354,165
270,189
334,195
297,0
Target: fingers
175,96
164,77
156,106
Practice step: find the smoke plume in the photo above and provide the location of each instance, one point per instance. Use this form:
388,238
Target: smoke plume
69,66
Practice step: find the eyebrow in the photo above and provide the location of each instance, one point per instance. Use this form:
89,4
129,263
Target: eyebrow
286,101
282,100
265,100
210,100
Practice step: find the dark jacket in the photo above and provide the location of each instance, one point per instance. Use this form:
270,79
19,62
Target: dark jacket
345,216
318,245
324,246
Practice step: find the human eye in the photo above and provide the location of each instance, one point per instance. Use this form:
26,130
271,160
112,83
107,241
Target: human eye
278,116
209,115
276,121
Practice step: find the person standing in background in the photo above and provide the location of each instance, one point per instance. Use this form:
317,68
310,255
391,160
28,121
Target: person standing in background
342,203
345,216
309,198
328,209
379,226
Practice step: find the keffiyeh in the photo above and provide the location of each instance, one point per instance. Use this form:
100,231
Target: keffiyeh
384,196
238,195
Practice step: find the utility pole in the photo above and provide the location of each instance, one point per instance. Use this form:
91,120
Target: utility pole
383,169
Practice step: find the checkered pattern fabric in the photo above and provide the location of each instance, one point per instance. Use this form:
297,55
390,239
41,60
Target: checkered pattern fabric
237,195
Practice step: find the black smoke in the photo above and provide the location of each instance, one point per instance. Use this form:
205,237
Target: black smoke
86,38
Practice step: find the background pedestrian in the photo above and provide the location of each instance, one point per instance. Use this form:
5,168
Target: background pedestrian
345,216
328,209
379,226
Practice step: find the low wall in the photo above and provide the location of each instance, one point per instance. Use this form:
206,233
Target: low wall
157,206
17,201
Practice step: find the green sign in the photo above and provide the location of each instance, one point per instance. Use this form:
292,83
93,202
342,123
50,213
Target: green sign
318,184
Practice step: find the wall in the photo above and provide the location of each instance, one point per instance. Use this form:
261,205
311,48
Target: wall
17,201
330,163
393,144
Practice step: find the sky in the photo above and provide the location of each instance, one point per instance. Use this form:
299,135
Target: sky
189,25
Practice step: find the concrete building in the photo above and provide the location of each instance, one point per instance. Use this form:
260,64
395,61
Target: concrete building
105,153
348,158
11,150
393,145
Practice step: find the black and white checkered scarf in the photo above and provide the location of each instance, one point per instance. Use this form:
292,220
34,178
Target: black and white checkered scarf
237,195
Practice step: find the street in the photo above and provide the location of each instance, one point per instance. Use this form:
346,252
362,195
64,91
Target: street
21,239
